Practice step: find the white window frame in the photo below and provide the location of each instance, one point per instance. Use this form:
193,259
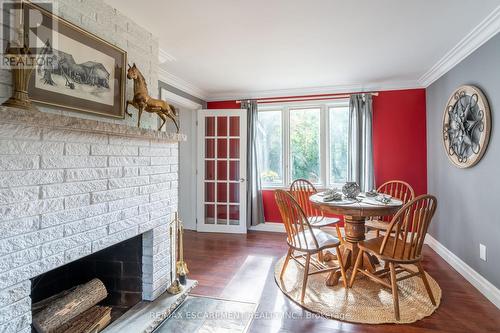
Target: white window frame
285,108
284,144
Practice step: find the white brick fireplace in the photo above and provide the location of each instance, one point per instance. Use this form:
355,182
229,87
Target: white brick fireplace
70,187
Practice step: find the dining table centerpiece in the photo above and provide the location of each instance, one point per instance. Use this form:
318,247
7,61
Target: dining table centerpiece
351,190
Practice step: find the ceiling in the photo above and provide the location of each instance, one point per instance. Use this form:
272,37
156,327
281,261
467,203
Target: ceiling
238,48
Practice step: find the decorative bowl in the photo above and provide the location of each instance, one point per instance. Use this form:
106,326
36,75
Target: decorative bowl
351,190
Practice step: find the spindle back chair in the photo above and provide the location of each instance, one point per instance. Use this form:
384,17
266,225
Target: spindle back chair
302,189
401,245
302,238
397,189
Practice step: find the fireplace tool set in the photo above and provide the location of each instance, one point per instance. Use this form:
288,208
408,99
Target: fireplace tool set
181,270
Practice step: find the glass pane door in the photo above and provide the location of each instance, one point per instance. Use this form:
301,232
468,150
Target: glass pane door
223,178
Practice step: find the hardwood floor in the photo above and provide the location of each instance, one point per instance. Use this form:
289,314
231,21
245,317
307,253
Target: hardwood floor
241,267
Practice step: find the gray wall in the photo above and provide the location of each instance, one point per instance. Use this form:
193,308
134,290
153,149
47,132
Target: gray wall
181,93
187,157
187,169
187,162
468,199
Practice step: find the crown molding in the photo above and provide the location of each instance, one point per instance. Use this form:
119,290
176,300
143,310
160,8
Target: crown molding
181,84
236,95
179,100
485,30
164,56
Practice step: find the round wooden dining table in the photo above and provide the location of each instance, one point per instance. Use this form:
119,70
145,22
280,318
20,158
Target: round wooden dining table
355,213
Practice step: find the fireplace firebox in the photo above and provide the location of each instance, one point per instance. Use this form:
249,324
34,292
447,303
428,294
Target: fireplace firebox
119,267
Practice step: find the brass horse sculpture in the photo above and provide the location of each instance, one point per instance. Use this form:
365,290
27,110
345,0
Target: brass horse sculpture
143,102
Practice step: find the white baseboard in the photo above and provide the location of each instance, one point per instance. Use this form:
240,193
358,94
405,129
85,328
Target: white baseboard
491,292
269,226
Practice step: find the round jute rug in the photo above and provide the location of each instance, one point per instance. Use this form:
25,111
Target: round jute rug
367,302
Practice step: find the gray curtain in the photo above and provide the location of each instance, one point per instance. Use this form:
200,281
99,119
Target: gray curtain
360,161
255,211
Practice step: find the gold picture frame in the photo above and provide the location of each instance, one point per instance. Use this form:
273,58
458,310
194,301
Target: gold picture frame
79,71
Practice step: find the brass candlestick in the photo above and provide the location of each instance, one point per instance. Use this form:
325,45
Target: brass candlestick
21,61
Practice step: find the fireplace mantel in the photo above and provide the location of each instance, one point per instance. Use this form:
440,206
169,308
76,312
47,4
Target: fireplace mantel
58,121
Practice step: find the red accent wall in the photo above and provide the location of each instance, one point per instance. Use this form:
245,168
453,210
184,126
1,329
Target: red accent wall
399,141
399,138
271,210
223,105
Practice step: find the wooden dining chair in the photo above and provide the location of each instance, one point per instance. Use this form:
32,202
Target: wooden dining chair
305,241
401,245
302,189
397,189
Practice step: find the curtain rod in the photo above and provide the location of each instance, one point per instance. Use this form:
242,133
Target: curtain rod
306,98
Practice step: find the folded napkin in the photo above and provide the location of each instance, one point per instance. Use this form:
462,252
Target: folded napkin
333,196
328,192
384,198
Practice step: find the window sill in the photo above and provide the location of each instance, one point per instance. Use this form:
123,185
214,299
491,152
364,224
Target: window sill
318,187
273,188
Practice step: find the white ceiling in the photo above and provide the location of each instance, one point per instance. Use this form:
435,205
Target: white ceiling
231,48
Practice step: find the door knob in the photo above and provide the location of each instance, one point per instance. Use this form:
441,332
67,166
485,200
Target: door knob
242,180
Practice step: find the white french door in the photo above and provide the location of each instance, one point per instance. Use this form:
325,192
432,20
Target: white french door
222,136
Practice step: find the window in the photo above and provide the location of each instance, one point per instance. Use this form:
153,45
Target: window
270,147
338,132
303,141
305,144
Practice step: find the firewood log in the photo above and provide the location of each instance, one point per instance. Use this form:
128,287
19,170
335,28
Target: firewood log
39,306
93,320
69,306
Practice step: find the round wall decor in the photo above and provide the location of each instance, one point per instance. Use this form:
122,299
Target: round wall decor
466,126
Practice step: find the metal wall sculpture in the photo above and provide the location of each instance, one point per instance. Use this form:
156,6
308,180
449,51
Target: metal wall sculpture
466,126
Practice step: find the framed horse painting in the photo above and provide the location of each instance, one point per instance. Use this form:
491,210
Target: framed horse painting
76,70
